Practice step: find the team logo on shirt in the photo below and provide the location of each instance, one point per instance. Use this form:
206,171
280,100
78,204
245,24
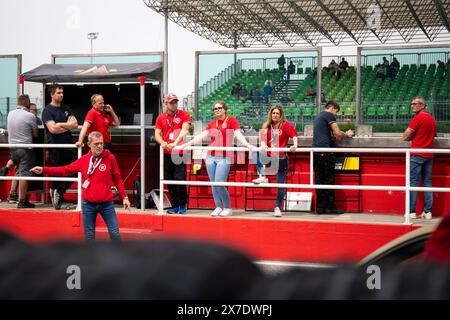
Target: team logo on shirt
177,120
102,167
66,113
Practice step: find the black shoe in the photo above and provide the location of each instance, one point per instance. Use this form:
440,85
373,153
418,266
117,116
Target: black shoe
25,204
4,171
320,210
13,198
334,211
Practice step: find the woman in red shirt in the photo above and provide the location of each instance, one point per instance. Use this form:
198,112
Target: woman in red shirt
275,133
222,130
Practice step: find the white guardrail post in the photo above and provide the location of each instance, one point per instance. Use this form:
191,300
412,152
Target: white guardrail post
407,184
161,179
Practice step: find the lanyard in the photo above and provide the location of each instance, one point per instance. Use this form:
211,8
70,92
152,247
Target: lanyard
224,124
92,165
167,119
274,133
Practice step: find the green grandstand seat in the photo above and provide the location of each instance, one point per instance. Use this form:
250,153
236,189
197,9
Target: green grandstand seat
371,111
403,110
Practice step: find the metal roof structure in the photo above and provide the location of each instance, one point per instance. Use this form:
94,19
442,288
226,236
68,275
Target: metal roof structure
270,23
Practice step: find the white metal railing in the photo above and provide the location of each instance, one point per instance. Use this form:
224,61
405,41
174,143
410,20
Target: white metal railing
407,188
49,146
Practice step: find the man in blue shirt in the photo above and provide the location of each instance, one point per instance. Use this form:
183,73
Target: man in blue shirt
326,133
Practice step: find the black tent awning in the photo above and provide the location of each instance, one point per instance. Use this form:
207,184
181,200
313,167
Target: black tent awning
117,72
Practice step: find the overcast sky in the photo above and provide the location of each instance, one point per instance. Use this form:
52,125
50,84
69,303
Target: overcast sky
38,29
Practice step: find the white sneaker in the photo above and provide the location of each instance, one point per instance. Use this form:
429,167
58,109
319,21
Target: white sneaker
413,215
226,212
261,179
216,212
426,215
277,212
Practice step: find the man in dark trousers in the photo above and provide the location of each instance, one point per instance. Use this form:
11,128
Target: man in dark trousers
326,132
421,132
170,129
58,119
99,172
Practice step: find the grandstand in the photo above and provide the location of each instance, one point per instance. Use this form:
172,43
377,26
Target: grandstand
383,99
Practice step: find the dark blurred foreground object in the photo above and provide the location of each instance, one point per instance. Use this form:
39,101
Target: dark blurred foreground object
185,270
438,247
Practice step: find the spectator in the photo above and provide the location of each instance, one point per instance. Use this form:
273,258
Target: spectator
285,99
58,119
171,128
256,96
325,132
290,69
267,90
334,68
275,133
343,65
221,130
281,62
13,195
22,127
100,118
33,110
448,65
393,69
309,92
441,64
268,82
236,91
421,132
96,186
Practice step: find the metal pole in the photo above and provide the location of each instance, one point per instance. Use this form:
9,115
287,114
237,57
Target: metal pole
79,184
166,47
319,80
407,185
161,178
142,84
358,86
92,51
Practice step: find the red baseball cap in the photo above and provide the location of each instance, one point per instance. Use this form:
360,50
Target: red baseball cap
171,97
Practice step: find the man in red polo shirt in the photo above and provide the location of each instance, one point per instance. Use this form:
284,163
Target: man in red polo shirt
100,118
421,132
171,128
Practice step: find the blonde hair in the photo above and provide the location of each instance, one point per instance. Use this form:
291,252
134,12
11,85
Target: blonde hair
269,121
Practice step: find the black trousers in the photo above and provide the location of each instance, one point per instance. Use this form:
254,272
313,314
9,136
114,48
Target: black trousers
324,174
174,171
62,157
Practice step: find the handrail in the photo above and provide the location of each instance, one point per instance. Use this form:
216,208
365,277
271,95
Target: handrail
407,188
49,146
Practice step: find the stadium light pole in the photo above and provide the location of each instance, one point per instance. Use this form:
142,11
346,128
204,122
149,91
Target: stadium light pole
92,36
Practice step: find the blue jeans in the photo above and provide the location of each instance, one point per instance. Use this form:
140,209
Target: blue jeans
420,167
218,169
283,165
108,214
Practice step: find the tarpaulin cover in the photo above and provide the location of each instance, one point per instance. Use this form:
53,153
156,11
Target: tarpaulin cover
117,72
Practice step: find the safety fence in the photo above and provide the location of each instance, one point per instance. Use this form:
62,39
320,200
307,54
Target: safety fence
407,188
49,146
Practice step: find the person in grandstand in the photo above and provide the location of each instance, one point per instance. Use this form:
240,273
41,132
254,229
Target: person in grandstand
325,133
275,133
421,132
100,118
59,120
99,172
171,128
222,130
